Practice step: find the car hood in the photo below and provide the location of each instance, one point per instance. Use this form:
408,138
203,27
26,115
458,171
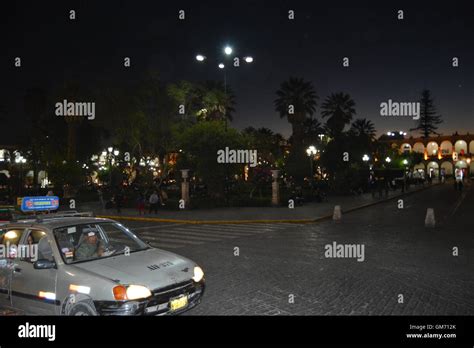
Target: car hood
153,268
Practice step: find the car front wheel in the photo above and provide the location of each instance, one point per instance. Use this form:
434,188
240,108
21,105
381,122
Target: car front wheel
83,309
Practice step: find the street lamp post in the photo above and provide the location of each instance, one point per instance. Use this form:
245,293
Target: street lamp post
227,51
111,154
311,151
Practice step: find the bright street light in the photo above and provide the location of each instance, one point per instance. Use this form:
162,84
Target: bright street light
405,161
110,149
388,160
228,50
221,66
365,158
200,57
311,150
248,59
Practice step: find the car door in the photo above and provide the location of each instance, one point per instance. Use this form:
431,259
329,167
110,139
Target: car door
34,290
9,239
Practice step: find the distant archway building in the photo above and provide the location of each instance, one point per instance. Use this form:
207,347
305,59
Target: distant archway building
441,152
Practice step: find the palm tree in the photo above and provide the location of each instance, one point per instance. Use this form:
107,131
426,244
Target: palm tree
217,102
296,99
185,93
311,130
338,108
363,128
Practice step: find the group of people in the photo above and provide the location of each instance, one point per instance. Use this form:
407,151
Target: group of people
153,199
157,198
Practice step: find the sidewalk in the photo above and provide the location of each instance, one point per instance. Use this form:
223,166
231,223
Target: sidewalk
307,213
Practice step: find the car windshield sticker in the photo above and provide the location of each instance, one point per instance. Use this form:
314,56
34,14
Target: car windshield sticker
71,230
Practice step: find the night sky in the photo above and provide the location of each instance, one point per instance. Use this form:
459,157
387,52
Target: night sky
389,58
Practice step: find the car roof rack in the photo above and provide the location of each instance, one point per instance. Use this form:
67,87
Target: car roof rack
58,215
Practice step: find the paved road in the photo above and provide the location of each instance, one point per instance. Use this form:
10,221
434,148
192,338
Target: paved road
279,263
281,269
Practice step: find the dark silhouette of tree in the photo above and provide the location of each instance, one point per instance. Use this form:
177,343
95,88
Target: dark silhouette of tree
363,128
216,102
185,93
269,145
339,110
35,104
312,128
429,119
296,100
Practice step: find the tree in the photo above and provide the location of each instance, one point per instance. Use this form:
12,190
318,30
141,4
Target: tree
339,110
141,117
217,102
35,101
185,93
268,144
73,91
429,119
311,130
296,100
363,128
199,145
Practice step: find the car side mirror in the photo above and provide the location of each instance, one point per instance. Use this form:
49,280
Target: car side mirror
44,264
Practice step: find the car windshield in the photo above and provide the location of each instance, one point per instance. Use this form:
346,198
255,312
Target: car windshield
86,242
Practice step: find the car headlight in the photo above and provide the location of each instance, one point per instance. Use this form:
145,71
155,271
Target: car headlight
131,292
198,274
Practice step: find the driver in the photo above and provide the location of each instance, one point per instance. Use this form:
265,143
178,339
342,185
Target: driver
91,247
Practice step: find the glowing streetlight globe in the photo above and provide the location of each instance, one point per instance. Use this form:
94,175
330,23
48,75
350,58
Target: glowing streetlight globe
248,59
388,160
311,150
200,57
228,50
221,66
365,158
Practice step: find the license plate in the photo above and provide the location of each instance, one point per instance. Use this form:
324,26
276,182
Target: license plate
178,303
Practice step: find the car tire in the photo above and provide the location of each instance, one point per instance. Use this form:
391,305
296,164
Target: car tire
83,308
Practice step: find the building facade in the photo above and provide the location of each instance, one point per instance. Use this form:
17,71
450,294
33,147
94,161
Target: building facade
445,153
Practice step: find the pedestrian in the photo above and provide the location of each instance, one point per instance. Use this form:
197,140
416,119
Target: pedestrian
101,197
141,204
153,200
163,196
458,180
386,185
119,201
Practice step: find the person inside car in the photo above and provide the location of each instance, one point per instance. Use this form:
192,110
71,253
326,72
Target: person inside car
90,247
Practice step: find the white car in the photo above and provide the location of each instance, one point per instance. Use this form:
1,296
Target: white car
70,264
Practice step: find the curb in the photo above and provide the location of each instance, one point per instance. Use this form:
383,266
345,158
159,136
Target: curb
283,221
